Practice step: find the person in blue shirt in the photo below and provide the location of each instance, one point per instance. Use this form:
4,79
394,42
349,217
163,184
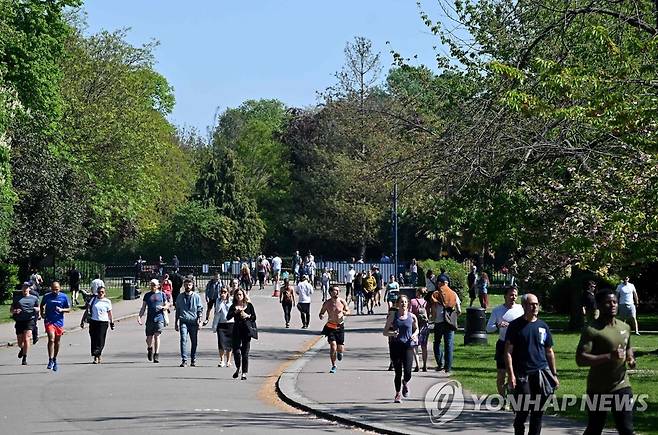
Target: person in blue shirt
530,364
189,312
52,309
154,304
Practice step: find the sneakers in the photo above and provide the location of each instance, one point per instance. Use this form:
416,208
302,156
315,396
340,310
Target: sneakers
424,368
149,354
95,361
405,390
20,353
236,374
390,367
155,358
398,398
416,369
24,360
193,363
183,363
339,356
205,322
50,364
287,325
243,377
221,364
55,368
333,369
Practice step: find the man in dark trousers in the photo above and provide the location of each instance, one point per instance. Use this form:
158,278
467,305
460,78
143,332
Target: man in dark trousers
530,365
605,347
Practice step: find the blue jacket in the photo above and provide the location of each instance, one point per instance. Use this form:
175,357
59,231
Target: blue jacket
189,307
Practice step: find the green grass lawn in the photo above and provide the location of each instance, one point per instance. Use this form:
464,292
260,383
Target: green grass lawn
475,368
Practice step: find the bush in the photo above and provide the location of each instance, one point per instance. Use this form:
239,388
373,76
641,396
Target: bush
455,270
8,280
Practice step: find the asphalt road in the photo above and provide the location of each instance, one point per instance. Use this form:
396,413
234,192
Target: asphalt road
129,395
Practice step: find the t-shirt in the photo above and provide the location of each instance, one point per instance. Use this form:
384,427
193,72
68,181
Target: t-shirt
28,305
276,263
74,277
100,308
588,300
379,280
52,301
154,299
304,290
625,294
530,341
599,338
502,313
349,276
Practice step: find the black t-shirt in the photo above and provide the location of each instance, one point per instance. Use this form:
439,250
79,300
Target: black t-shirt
530,341
74,277
588,301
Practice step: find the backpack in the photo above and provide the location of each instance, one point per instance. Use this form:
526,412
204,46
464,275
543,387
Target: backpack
423,320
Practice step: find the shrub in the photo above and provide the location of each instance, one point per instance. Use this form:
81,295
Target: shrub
8,280
455,270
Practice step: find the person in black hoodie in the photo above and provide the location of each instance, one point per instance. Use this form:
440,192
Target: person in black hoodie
243,312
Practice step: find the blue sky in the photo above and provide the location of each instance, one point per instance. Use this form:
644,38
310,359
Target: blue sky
219,53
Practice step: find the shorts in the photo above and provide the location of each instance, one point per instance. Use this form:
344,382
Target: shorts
24,326
500,355
57,330
75,287
393,298
423,335
626,311
337,335
154,327
471,292
368,295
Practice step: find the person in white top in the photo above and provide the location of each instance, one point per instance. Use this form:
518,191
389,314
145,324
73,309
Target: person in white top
501,317
223,327
96,284
349,281
628,301
98,313
304,290
276,270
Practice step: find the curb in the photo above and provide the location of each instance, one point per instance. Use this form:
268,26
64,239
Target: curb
286,388
72,329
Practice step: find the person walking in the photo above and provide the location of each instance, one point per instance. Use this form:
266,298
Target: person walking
98,313
243,312
471,280
402,327
74,283
325,280
349,282
628,301
500,318
277,262
336,308
379,284
211,293
483,290
530,365
287,300
304,291
52,309
445,309
223,327
359,294
605,347
413,269
168,287
189,312
392,292
369,285
25,312
430,281
245,277
419,308
154,304
261,267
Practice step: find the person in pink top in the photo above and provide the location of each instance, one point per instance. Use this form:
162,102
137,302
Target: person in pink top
418,307
167,286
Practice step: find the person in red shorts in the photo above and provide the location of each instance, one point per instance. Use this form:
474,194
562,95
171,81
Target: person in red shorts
53,306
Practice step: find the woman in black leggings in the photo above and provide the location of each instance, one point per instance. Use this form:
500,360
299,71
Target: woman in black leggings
242,311
287,300
402,327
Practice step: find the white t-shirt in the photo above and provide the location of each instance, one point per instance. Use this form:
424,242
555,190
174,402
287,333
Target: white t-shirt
501,312
304,291
625,294
100,308
95,285
349,276
276,263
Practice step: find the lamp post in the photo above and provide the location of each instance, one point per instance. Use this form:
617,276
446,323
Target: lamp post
395,226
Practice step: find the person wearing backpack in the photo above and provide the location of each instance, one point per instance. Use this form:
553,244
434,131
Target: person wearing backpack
445,309
418,307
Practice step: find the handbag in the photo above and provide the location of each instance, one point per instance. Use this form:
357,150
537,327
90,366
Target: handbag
450,317
252,329
165,317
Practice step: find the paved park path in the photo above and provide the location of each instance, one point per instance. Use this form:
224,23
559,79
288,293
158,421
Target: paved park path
129,395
